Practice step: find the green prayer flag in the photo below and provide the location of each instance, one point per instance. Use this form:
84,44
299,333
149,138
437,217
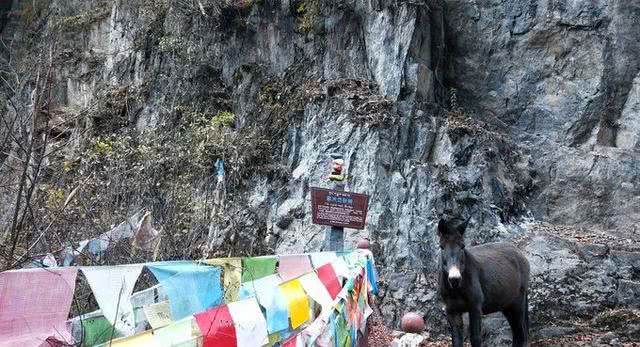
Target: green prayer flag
97,330
342,331
258,267
351,284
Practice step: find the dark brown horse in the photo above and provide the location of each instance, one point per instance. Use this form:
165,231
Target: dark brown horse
481,280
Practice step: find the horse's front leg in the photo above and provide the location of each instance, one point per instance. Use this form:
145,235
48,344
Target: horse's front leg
475,327
456,327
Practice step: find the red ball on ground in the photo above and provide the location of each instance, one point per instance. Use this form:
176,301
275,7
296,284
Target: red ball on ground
363,244
412,323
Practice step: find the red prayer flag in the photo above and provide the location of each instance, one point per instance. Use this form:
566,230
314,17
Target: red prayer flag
216,326
328,277
290,342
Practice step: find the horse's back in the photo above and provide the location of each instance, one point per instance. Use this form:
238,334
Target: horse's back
498,252
504,275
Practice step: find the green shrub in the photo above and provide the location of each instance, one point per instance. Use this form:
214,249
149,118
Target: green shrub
83,21
223,119
308,12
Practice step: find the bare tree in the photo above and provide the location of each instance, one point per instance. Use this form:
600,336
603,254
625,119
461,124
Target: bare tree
24,138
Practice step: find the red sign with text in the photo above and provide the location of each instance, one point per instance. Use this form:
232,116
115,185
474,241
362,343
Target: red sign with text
339,209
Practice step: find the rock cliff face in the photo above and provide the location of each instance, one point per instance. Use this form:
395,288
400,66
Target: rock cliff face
511,113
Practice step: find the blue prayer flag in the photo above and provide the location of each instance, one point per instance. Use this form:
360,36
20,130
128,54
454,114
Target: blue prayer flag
191,287
371,276
269,296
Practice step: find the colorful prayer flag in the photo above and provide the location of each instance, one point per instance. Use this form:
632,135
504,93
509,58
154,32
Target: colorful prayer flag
191,287
258,267
371,275
292,266
181,332
320,258
316,290
317,333
112,287
342,334
291,342
217,328
341,268
145,339
34,305
270,297
328,277
97,330
158,314
250,325
273,339
232,269
299,311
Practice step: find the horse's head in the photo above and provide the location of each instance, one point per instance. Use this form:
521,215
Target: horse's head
451,233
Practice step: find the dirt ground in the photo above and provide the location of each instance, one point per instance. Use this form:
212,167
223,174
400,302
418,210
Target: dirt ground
381,336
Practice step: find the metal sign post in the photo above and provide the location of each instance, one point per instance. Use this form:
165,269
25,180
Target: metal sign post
334,236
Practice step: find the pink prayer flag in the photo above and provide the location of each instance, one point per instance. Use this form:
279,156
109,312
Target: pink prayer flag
34,305
292,266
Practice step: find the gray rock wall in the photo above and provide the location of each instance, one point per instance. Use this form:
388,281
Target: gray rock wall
544,125
560,77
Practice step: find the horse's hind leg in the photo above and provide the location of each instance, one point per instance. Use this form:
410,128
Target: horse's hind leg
517,318
526,319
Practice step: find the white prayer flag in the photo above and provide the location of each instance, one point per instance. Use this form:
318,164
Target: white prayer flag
321,258
317,334
158,315
261,287
341,268
251,327
316,290
112,287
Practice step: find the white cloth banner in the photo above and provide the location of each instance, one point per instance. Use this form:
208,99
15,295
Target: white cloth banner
341,268
148,296
321,258
251,327
262,288
316,290
317,334
158,315
112,287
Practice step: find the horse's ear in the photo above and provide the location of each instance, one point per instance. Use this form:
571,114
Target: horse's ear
462,227
442,227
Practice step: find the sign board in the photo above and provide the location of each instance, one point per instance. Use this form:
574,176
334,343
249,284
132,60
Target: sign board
339,209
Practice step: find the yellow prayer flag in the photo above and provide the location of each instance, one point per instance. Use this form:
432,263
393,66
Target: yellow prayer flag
297,301
232,268
145,339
